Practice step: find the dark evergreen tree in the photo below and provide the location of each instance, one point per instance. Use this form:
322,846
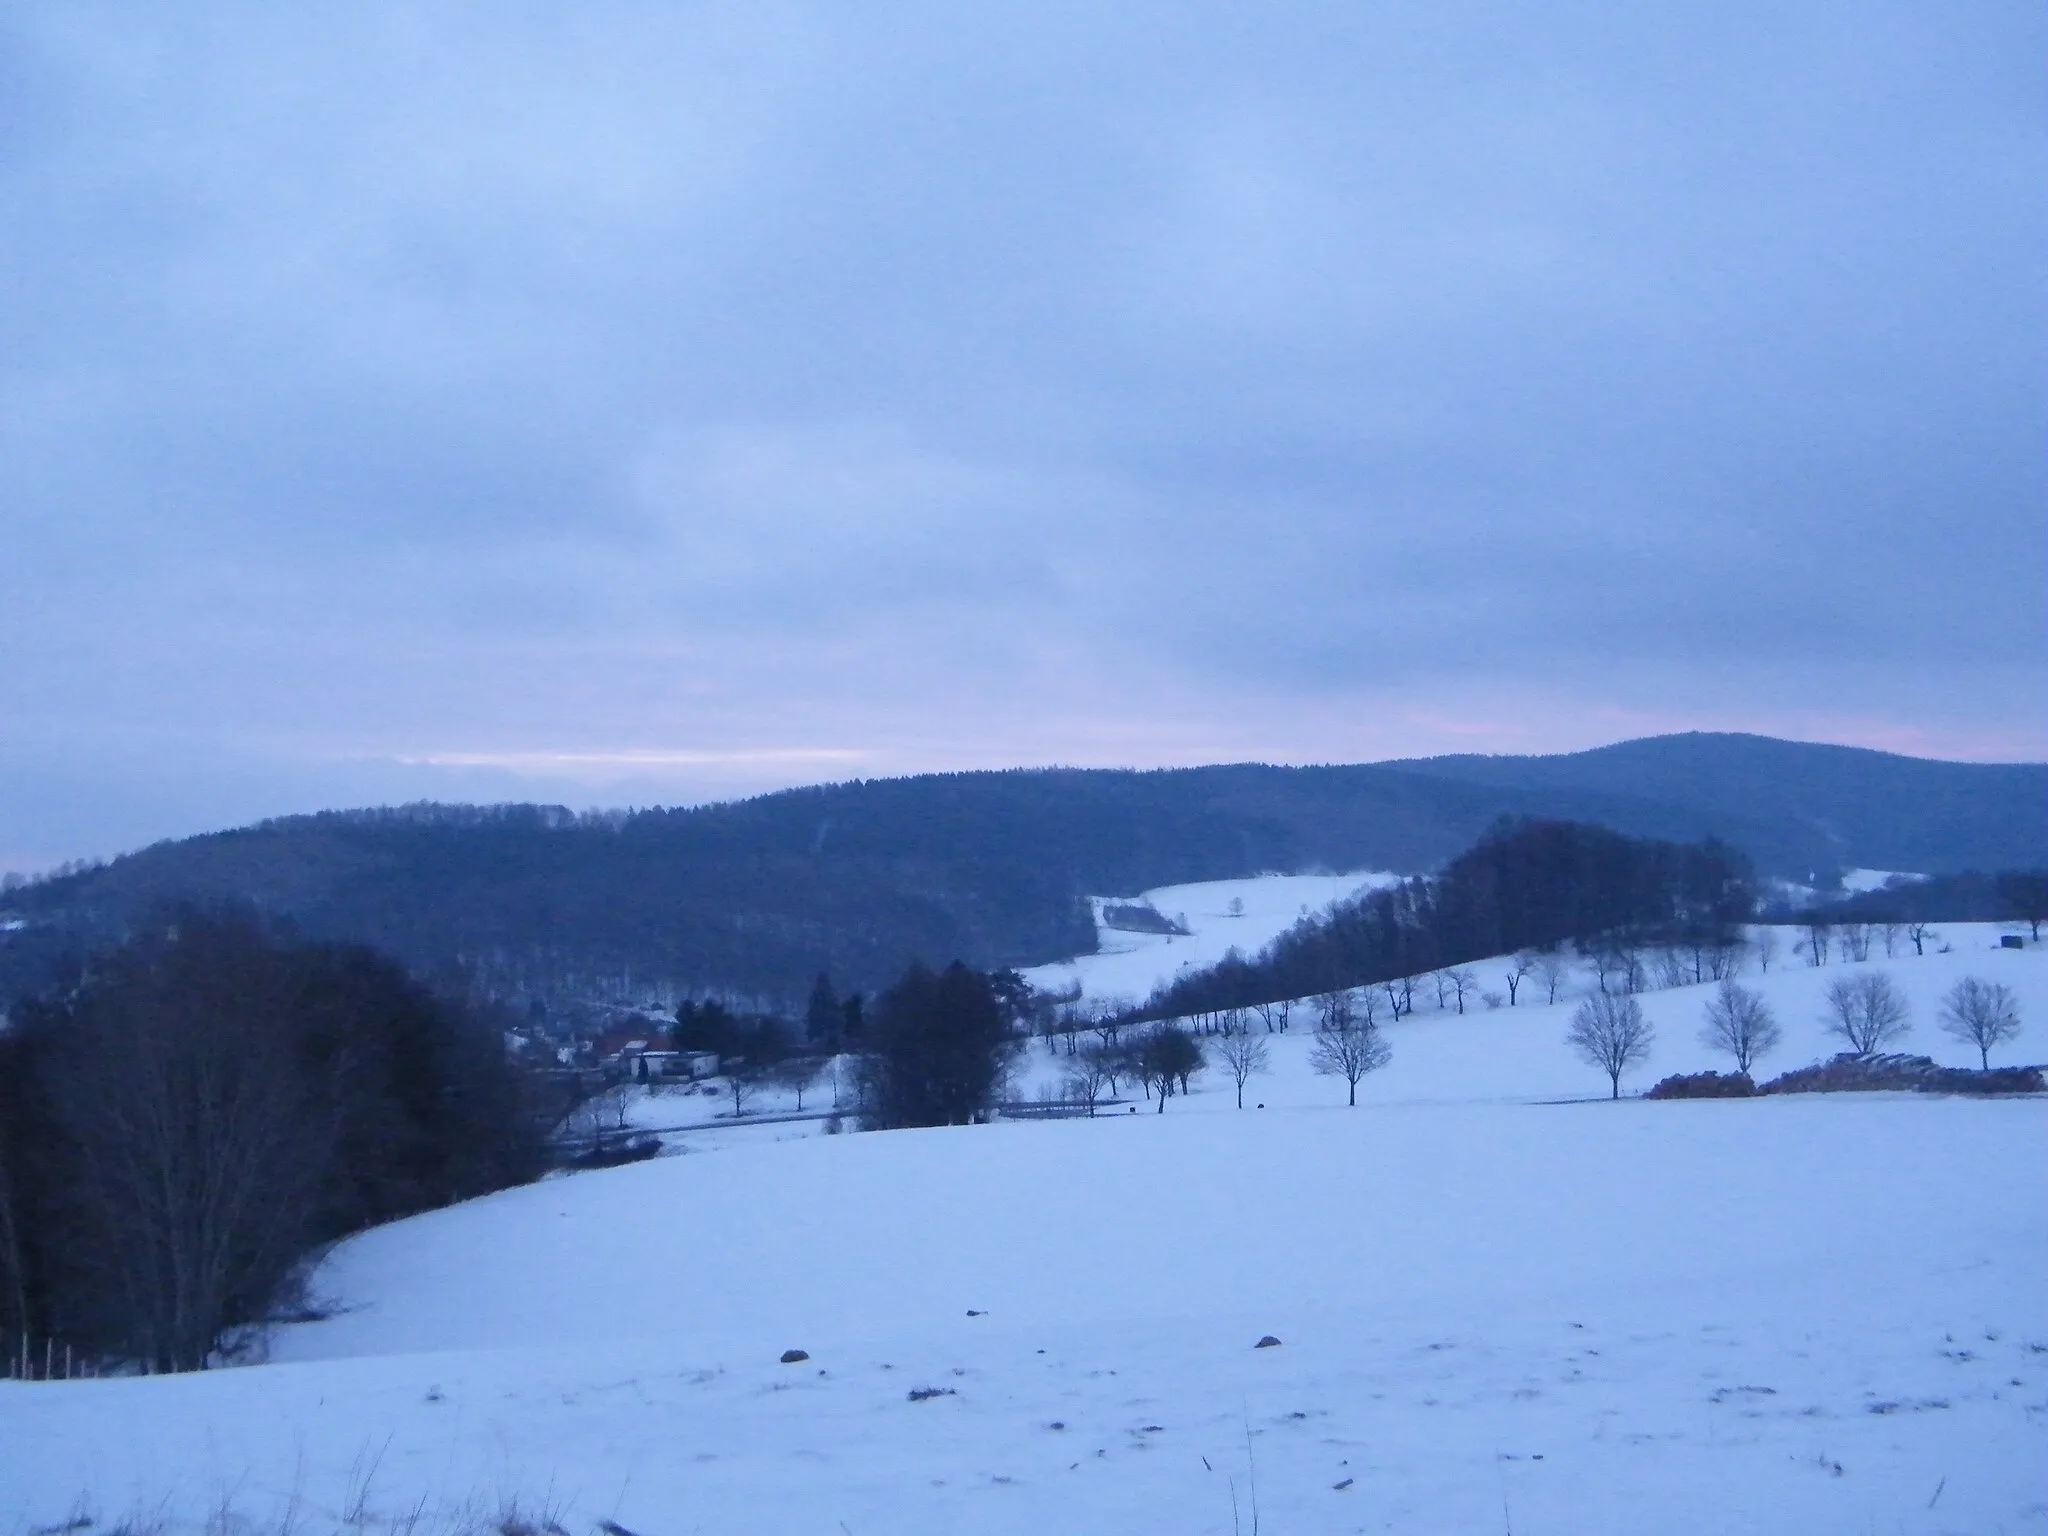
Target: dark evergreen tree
936,1050
706,1026
824,1019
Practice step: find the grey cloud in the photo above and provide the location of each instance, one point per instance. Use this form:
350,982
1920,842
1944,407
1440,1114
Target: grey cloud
400,380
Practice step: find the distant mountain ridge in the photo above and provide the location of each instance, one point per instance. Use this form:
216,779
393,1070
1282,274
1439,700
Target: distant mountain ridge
757,896
1870,809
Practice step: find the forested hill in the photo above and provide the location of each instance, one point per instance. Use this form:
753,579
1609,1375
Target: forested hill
757,896
1873,810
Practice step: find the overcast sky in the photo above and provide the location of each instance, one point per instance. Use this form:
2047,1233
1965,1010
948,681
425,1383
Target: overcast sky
622,403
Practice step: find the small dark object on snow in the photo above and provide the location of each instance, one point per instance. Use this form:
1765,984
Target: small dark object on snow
1267,1342
972,1313
1340,1487
1057,1424
793,1356
613,1528
926,1394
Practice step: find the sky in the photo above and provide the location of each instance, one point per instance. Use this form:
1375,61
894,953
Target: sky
630,403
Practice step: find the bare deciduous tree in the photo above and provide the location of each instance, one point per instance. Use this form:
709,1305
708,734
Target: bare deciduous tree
1868,1011
1618,966
741,1080
1520,964
1919,934
602,1114
1764,944
1855,939
1349,1050
1724,959
1242,1056
1635,964
1553,967
1740,1024
796,1074
1609,1032
1274,1014
1603,960
1092,1076
1463,981
1819,937
1701,950
1981,1013
200,1145
1166,1056
1334,1010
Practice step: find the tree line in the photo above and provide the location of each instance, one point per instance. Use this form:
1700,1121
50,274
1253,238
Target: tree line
189,1116
1972,896
1525,886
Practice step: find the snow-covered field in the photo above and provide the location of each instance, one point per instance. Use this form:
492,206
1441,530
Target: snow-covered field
1498,1312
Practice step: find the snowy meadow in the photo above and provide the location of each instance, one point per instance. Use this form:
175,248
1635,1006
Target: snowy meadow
1501,1303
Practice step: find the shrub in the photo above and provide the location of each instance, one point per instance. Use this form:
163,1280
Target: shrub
1851,1073
1704,1085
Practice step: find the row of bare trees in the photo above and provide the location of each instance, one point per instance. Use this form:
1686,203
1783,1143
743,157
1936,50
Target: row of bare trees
1822,937
1163,1058
1867,1012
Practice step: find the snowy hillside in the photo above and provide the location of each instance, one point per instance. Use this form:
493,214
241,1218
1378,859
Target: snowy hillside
1496,1311
1220,915
1518,1054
